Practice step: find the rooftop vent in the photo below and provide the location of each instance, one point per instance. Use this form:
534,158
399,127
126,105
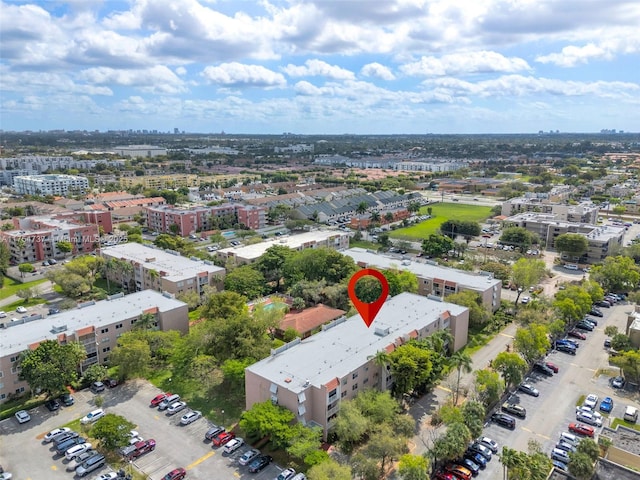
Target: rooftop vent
60,329
382,332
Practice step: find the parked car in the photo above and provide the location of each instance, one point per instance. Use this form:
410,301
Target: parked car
481,449
606,405
67,444
22,416
618,382
566,446
566,348
98,387
175,474
21,309
529,389
286,474
138,448
603,304
553,367
190,417
560,465
470,464
589,419
248,456
504,420
57,431
591,401
176,407
581,429
459,471
213,431
596,313
543,369
476,457
222,438
67,400
77,450
589,410
53,311
111,382
63,437
607,343
446,476
489,443
52,405
168,401
260,463
233,445
514,409
576,334
90,464
582,325
79,460
93,416
155,401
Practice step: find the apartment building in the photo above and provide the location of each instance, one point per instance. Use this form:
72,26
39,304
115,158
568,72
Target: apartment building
161,181
135,151
55,185
583,212
36,238
11,167
311,377
190,219
433,279
96,325
602,241
314,239
160,270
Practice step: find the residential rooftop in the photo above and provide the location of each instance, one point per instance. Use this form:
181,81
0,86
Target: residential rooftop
173,264
17,337
423,269
345,345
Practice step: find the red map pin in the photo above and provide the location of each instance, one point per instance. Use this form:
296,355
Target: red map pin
368,311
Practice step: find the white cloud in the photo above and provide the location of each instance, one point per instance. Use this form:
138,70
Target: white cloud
236,74
465,63
318,68
571,55
378,71
157,79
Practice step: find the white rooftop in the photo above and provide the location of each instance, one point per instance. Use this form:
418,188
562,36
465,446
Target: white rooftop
423,270
17,338
252,252
177,267
341,349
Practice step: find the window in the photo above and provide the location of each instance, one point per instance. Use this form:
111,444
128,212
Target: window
273,389
19,390
15,359
15,370
104,330
105,350
354,387
365,381
118,326
354,376
3,396
331,393
344,394
106,339
344,381
1,374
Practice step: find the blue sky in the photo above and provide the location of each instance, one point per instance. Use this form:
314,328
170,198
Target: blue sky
321,66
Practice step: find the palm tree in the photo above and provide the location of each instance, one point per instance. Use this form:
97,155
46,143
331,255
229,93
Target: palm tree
460,361
381,359
509,459
375,217
362,207
440,341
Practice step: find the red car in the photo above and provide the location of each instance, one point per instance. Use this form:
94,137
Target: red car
177,474
446,476
553,367
222,438
155,401
581,429
576,334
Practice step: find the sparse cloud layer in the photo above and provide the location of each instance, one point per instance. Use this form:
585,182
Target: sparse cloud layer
318,66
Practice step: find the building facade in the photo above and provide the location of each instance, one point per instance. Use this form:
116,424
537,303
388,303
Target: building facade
96,325
134,151
434,280
161,181
55,185
163,271
312,377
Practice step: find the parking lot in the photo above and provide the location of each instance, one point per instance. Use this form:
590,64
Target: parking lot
177,446
550,414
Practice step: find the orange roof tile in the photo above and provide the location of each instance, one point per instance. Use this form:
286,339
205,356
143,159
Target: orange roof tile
310,318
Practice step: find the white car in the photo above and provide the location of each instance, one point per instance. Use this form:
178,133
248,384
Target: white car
3,314
526,299
233,445
286,474
589,419
92,416
21,309
585,409
22,416
49,436
190,417
107,476
176,407
77,450
489,443
134,437
591,401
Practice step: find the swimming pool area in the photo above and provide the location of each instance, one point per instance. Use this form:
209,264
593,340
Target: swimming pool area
228,234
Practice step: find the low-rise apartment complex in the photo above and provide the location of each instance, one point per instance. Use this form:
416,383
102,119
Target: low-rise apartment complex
164,271
311,377
583,212
56,185
314,239
433,279
96,325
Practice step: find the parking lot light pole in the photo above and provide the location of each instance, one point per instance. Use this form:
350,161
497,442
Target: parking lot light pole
223,422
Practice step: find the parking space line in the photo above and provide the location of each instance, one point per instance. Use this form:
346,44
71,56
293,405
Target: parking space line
200,460
444,388
535,433
505,335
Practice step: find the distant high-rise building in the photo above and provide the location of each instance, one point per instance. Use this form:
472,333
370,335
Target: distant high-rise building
176,131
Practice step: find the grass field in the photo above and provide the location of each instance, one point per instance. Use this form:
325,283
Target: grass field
11,286
441,213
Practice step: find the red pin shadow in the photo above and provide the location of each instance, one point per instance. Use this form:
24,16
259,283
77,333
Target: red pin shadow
368,311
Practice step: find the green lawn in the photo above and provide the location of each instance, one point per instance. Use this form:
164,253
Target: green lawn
620,421
364,244
11,286
31,303
441,213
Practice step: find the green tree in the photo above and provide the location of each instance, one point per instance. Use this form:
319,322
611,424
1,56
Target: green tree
318,264
329,470
26,294
368,289
385,447
573,303
401,281
25,268
437,245
581,466
304,441
610,330
525,273
617,274
351,425
266,419
511,366
460,361
620,342
478,313
629,362
224,305
271,263
518,237
473,415
454,442
112,431
489,386
71,284
95,373
246,281
64,246
573,244
590,448
532,342
510,460
413,467
410,366
132,355
51,366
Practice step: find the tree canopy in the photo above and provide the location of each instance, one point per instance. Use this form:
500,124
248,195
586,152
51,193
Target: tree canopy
572,244
51,366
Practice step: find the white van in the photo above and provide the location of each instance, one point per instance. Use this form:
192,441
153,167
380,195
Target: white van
570,438
631,414
571,266
557,454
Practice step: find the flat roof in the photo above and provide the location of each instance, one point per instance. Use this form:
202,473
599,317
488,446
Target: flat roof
252,252
423,270
341,349
176,266
17,338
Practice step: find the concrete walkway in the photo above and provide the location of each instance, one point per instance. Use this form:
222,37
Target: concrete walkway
45,290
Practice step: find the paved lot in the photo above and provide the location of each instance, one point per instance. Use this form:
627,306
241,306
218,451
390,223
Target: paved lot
177,446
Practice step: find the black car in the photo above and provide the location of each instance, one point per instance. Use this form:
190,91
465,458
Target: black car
259,463
52,405
64,446
591,320
67,400
514,409
111,382
63,437
53,311
585,326
213,431
470,464
504,420
596,313
543,369
566,349
603,304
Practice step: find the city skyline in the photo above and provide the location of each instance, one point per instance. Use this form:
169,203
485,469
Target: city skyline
309,67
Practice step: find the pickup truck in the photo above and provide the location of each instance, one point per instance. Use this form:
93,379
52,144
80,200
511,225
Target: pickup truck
134,451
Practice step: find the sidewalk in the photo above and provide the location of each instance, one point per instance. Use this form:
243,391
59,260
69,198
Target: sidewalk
44,289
